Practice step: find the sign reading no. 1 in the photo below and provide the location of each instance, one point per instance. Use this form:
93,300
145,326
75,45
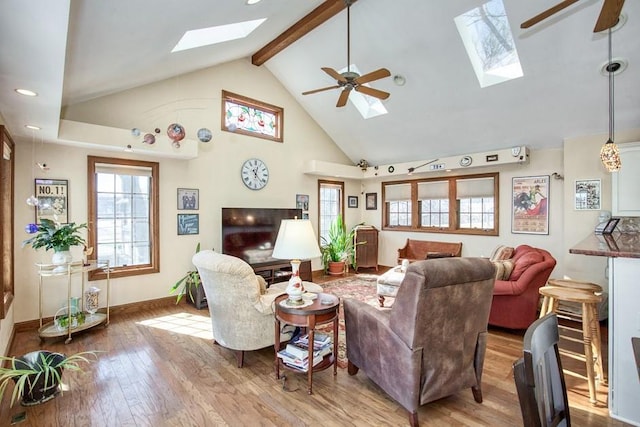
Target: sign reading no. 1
53,201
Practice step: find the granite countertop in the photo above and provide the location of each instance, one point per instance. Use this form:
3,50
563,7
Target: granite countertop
624,245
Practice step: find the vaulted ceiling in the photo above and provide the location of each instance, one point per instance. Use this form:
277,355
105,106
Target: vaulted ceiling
74,50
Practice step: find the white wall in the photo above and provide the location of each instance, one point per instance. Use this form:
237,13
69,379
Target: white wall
216,172
542,162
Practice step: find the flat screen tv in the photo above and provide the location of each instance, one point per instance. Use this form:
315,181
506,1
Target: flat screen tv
250,233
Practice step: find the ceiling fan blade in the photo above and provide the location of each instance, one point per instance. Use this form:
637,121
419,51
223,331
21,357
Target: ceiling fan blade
372,92
333,73
609,15
309,92
344,96
374,75
547,13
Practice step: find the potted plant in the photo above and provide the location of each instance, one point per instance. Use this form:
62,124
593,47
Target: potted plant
191,286
37,375
56,236
338,247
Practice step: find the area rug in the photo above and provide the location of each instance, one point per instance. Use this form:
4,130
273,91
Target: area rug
361,287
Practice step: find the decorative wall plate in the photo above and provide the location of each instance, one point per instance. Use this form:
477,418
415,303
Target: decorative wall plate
391,169
466,161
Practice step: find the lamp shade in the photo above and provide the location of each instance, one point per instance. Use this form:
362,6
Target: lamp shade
296,240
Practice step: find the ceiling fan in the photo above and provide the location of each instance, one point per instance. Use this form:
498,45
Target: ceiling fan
350,80
609,14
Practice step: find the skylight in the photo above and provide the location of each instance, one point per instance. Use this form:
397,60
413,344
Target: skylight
487,37
212,35
368,106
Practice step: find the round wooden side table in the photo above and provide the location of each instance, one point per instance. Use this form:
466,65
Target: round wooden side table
324,309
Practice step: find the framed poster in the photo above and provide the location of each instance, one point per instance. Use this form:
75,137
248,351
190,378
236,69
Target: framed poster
188,199
371,201
53,200
530,209
352,201
587,194
188,224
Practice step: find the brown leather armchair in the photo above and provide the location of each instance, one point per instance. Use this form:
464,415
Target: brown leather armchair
432,341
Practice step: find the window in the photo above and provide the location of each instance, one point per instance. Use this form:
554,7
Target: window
462,204
123,212
330,205
7,260
251,117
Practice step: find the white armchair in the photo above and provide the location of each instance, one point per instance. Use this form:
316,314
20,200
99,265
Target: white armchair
240,305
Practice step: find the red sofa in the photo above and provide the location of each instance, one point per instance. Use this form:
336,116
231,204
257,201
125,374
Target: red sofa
515,301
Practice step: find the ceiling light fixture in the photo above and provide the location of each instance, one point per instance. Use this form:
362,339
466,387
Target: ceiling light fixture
399,80
33,127
411,170
26,92
609,153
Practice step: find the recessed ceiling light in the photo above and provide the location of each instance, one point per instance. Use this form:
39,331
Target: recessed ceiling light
250,2
32,127
26,92
618,65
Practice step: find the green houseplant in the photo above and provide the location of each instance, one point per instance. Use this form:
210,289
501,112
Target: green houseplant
56,236
37,375
189,285
338,247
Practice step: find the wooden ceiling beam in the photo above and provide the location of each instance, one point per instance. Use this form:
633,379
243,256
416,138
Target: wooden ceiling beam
304,26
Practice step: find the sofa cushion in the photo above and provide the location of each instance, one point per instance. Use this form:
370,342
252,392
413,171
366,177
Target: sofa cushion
501,252
503,268
523,262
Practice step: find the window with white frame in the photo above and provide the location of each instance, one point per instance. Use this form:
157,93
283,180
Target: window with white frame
123,211
330,205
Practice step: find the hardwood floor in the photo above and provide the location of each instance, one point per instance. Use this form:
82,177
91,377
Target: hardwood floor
160,368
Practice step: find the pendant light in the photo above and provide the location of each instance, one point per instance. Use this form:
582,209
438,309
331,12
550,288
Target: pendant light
609,153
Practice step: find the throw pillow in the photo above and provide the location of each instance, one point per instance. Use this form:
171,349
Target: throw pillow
501,252
524,262
503,268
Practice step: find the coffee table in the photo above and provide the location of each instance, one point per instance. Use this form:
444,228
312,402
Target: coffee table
324,309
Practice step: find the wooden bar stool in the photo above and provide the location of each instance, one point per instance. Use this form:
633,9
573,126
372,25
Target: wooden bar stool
589,296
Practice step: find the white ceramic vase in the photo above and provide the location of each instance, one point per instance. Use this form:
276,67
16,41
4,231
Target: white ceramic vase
60,259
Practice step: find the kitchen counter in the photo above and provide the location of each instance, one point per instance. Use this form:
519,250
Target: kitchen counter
623,253
616,245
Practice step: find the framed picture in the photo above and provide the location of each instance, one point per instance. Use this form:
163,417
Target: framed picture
302,202
530,208
352,202
371,201
587,194
188,224
53,200
611,225
188,199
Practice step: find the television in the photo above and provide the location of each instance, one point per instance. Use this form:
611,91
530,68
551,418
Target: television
250,233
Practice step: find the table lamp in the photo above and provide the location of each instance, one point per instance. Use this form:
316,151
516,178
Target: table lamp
296,240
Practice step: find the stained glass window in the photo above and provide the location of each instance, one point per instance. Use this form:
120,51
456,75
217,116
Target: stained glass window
251,117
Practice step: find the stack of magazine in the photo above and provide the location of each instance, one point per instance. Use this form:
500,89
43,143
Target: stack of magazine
296,354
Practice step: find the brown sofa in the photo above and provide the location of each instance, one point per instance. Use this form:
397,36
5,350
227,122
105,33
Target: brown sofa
515,300
418,250
416,351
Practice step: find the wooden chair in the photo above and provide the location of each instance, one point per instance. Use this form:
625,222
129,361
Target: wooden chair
538,376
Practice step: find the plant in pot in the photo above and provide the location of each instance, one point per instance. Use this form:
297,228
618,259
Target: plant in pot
37,375
59,237
338,247
190,285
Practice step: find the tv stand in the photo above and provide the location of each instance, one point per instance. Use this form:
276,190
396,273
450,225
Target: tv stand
281,271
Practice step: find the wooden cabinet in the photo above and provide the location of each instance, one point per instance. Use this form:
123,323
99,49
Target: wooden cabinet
366,241
281,272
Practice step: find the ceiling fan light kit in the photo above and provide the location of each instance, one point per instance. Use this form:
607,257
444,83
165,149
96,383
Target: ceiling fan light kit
350,80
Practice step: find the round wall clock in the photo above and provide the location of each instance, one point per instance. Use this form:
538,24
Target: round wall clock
466,161
255,174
